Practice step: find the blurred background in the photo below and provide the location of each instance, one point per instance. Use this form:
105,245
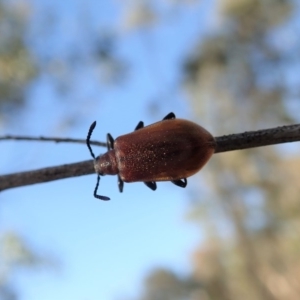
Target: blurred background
229,65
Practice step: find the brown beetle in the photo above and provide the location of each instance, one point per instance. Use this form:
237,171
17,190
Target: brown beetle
169,150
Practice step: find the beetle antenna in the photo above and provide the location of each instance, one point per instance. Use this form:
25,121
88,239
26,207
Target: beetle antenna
92,127
96,189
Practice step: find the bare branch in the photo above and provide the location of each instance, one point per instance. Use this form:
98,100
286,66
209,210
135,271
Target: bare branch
46,174
259,138
49,139
251,139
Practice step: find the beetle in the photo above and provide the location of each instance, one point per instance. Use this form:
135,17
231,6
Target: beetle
169,150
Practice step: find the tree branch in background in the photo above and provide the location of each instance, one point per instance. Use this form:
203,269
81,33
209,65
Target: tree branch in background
251,139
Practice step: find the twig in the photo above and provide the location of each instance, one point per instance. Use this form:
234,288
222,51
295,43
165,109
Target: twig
49,139
46,174
251,139
259,138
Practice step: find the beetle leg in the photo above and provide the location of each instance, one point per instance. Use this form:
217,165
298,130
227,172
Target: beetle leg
151,185
109,142
180,182
169,116
139,125
120,184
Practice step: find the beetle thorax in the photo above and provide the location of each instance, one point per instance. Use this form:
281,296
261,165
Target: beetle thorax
106,164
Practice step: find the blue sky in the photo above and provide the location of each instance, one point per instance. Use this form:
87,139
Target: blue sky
104,248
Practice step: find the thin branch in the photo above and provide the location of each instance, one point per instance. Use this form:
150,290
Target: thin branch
49,139
251,139
46,174
259,138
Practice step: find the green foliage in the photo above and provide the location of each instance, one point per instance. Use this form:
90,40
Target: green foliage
15,255
17,64
164,284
